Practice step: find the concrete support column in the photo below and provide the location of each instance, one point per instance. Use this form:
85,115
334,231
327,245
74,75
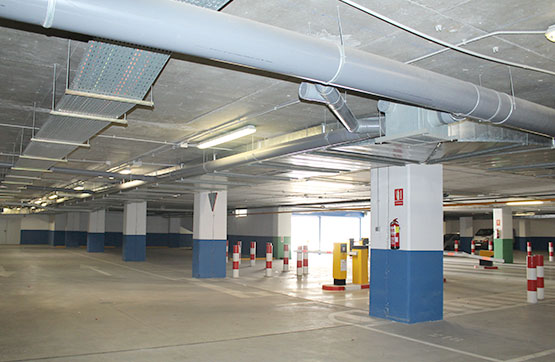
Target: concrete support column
134,231
282,230
60,221
209,234
51,229
503,234
466,233
174,226
74,235
407,282
97,231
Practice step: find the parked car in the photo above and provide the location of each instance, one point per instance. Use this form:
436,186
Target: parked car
449,241
482,238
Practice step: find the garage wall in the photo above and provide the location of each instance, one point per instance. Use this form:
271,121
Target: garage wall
36,229
261,228
10,228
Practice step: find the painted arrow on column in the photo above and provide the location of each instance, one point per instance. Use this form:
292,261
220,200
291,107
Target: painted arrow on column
4,273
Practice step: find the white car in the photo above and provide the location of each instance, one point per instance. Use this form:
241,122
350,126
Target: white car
482,238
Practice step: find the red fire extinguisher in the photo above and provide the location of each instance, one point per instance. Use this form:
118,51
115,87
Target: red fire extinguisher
394,234
497,234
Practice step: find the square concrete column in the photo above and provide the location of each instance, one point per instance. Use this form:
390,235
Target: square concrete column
209,234
406,262
75,230
503,234
174,227
97,231
134,231
466,233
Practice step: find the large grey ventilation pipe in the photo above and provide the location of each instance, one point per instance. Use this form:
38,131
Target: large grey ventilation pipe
331,97
334,138
189,29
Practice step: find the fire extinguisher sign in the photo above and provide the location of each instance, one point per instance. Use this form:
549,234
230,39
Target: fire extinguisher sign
398,197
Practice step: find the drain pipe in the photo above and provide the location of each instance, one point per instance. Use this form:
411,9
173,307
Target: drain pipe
331,97
192,30
334,138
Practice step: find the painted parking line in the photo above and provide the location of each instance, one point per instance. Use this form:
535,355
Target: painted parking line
82,266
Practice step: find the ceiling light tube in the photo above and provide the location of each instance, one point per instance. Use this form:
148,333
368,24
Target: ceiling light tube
17,182
42,158
30,169
523,203
24,177
60,142
241,132
79,188
53,196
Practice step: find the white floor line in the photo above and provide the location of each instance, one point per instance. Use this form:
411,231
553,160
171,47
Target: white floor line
485,358
532,356
95,269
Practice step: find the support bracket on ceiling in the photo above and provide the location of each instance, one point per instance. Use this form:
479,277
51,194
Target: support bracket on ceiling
89,116
105,97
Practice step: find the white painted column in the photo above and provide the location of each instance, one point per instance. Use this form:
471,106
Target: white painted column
407,243
209,234
466,233
134,231
503,234
96,231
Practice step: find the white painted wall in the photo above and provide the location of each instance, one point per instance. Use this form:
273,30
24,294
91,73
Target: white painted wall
260,222
114,222
35,222
10,229
157,224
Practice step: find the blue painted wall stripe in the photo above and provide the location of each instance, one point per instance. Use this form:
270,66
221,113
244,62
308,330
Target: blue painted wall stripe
134,248
95,242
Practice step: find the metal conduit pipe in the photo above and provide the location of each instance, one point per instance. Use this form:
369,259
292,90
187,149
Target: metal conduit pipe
189,29
335,138
331,97
91,173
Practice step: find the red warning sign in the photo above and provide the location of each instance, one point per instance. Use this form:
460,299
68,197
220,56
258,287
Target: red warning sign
497,222
398,197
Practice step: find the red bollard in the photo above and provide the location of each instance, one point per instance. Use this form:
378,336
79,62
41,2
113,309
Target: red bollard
253,253
305,260
299,262
226,251
550,251
236,261
539,276
285,257
490,245
269,257
531,276
456,246
528,248
473,247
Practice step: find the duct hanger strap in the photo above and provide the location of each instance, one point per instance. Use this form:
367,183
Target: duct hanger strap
340,65
50,11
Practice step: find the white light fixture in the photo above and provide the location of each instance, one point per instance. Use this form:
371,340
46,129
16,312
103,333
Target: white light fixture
44,204
550,33
238,133
52,197
523,203
125,171
79,188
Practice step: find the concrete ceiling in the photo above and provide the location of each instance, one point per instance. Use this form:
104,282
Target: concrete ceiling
194,97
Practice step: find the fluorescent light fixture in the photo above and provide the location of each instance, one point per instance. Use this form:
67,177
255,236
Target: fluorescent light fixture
525,213
52,197
523,203
238,133
38,202
24,177
131,184
79,188
241,212
550,33
44,204
60,200
16,182
31,169
125,171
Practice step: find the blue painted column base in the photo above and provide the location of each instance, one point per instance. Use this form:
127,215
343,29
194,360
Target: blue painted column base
209,259
95,242
75,238
406,286
134,248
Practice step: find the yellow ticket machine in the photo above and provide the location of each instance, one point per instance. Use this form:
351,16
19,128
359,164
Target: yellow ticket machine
360,264
339,263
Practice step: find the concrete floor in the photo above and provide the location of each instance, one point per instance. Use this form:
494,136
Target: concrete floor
69,305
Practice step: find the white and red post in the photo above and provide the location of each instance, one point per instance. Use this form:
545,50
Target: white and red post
473,247
456,246
240,243
299,261
551,251
269,257
226,251
305,260
531,276
285,257
490,245
528,248
236,261
539,276
253,253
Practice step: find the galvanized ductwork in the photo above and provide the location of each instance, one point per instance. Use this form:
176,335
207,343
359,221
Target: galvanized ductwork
192,30
331,97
